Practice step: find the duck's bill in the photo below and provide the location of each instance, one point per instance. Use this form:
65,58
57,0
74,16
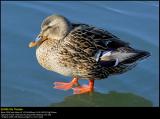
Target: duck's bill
32,44
37,41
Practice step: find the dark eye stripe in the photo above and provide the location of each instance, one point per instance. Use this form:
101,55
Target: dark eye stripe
47,28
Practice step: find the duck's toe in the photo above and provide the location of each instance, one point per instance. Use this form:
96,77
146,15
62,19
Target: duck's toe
64,85
82,89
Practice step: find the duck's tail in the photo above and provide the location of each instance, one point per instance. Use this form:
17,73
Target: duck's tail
122,59
123,55
137,55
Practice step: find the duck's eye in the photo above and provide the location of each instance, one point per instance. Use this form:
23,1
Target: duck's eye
49,27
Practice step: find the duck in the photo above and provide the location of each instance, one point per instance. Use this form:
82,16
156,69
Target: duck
82,51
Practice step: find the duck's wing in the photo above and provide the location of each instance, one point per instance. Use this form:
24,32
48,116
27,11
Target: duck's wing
92,41
102,39
98,47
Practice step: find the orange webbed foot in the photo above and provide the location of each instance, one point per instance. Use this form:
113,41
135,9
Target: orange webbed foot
85,88
82,89
64,85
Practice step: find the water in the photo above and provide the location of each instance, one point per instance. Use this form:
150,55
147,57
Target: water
25,83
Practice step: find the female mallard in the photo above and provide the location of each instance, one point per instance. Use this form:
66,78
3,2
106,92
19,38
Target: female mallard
82,51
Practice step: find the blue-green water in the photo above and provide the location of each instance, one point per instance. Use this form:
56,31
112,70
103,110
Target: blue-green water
25,83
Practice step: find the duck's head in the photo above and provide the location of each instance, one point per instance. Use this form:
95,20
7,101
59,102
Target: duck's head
53,27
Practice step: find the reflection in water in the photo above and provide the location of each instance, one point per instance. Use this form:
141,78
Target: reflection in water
96,99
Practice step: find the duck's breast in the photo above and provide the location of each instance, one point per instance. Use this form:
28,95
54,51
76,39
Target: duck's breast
49,59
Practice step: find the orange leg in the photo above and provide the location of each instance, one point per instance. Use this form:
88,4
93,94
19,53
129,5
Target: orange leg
66,86
84,88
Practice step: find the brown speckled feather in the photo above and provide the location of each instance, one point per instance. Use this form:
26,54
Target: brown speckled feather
80,46
84,51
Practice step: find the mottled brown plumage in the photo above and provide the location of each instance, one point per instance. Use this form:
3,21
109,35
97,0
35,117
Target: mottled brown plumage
82,51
